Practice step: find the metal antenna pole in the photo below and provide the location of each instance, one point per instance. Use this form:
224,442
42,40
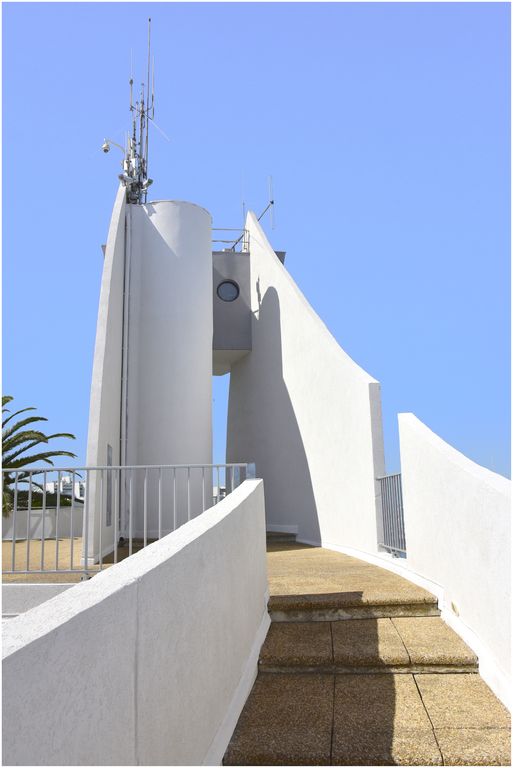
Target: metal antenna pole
153,89
271,199
270,204
135,165
147,107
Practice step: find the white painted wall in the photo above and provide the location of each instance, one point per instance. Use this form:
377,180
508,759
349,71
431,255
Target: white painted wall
105,402
457,518
20,598
170,329
63,525
155,325
150,662
306,413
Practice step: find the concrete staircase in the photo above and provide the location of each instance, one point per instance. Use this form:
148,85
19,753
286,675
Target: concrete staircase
364,677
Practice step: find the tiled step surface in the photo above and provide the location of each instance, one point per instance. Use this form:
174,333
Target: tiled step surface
321,696
277,537
326,719
366,645
349,605
315,584
311,584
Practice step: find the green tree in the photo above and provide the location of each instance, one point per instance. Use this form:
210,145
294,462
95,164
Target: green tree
19,437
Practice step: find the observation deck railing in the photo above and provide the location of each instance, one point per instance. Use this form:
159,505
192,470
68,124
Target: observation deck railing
79,520
238,237
393,538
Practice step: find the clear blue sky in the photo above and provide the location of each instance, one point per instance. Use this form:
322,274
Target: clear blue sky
386,128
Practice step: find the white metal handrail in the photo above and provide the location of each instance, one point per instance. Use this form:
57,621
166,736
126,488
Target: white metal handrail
393,534
104,512
242,238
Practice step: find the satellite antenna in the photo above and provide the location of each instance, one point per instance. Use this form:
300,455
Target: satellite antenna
135,164
270,204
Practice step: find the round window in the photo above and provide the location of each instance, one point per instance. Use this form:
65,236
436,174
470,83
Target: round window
228,290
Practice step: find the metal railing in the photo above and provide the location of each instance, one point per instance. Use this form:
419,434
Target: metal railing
241,239
82,519
393,535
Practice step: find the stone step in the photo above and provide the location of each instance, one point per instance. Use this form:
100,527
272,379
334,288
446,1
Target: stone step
350,605
274,537
365,646
327,719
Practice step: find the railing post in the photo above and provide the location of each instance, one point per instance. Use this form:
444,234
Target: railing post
29,510
43,524
57,511
71,532
100,525
160,502
14,511
86,524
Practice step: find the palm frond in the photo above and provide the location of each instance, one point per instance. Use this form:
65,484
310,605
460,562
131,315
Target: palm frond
46,457
62,434
6,434
14,454
21,450
23,437
16,413
17,441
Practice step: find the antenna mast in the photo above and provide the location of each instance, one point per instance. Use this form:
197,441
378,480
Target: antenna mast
135,165
270,204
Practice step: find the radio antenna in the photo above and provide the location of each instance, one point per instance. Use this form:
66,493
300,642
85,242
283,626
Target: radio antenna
135,164
270,204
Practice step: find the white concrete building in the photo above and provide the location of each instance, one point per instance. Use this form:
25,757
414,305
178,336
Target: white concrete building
155,657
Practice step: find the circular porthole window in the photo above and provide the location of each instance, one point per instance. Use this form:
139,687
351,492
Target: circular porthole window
228,290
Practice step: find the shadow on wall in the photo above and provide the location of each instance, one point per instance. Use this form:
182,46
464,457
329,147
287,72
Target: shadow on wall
267,431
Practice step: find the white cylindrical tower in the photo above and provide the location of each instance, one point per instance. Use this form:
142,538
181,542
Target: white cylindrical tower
167,398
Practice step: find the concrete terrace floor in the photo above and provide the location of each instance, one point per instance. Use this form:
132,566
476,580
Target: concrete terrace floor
337,689
298,569
51,562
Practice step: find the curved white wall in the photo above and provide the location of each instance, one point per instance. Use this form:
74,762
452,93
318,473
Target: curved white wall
170,334
106,379
170,329
457,518
305,413
105,401
151,661
152,376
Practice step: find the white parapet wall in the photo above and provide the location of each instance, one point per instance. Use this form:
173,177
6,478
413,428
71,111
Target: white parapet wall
105,403
150,662
49,523
306,413
457,518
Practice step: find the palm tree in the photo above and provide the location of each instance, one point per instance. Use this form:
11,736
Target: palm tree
16,441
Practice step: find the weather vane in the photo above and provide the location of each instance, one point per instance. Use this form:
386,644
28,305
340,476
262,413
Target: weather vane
135,161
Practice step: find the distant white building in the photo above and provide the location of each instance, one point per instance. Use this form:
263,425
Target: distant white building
65,487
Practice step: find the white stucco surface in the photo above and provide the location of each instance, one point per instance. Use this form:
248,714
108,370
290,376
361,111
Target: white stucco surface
457,518
151,392
20,598
150,662
306,413
105,400
170,329
64,524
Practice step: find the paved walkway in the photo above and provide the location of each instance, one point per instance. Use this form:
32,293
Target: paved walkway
68,556
337,689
